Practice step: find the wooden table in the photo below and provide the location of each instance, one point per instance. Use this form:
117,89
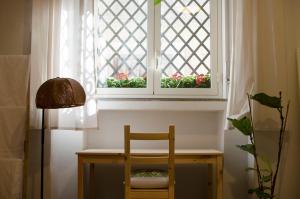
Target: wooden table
213,158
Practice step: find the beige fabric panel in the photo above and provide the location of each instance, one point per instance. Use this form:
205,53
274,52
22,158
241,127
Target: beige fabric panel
11,173
14,77
14,80
13,125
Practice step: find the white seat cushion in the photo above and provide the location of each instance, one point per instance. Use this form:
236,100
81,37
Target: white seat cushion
147,179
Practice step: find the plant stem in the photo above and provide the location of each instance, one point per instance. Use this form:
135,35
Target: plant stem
280,144
252,139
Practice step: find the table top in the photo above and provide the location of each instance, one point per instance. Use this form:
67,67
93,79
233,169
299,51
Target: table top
150,151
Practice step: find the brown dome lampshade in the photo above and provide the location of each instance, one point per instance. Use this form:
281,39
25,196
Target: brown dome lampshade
53,94
60,93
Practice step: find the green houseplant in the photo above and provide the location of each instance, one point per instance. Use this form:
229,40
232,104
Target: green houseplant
266,174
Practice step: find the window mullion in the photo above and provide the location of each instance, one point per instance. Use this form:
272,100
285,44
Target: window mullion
157,45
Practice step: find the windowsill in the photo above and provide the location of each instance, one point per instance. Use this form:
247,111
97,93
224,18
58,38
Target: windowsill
162,104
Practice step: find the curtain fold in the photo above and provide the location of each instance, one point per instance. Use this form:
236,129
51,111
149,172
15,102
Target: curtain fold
62,46
242,31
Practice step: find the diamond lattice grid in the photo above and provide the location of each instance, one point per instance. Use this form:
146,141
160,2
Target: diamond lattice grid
122,39
185,37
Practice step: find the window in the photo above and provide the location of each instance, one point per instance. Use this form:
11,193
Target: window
169,49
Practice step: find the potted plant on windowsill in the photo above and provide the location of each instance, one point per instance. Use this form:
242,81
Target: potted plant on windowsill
265,172
122,81
192,81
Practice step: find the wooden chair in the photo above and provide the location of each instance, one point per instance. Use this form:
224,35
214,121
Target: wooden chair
165,192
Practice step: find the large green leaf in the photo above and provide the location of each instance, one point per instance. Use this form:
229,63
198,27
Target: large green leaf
250,148
264,99
156,2
243,125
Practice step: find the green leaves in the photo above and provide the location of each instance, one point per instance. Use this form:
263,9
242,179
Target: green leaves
243,125
185,82
267,178
156,2
264,170
264,99
137,82
260,193
250,148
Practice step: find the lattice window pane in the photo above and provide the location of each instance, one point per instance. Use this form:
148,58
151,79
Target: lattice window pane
185,44
121,46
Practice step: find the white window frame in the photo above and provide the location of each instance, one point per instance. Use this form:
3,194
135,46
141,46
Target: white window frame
123,92
153,89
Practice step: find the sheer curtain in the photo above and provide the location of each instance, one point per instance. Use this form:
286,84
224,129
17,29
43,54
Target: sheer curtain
263,44
242,31
62,46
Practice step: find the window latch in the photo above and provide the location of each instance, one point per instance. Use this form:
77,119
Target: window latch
158,62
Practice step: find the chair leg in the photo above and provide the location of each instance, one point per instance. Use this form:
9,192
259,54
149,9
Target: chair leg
210,181
127,193
171,193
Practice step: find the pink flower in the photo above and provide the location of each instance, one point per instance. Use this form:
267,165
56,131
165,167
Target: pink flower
176,76
199,79
121,76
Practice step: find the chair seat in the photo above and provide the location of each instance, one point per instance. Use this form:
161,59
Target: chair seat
147,179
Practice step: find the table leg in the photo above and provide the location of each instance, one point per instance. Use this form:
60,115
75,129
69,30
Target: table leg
210,181
80,178
91,180
219,177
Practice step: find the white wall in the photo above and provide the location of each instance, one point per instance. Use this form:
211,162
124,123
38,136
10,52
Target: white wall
235,162
193,129
63,167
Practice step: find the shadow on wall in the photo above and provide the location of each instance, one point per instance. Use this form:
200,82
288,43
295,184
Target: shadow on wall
235,164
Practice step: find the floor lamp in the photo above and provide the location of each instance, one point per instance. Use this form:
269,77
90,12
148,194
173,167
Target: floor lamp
54,94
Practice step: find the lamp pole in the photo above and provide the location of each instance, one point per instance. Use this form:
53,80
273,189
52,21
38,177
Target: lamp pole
53,94
42,154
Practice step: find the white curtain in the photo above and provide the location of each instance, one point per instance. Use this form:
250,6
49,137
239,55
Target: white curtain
242,31
62,46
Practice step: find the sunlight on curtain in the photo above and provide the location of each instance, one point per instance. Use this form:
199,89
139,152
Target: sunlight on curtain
68,37
243,62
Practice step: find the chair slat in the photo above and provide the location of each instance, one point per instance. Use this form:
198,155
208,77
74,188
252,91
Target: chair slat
149,136
149,194
149,160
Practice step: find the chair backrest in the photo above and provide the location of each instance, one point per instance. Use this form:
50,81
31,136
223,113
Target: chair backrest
131,159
